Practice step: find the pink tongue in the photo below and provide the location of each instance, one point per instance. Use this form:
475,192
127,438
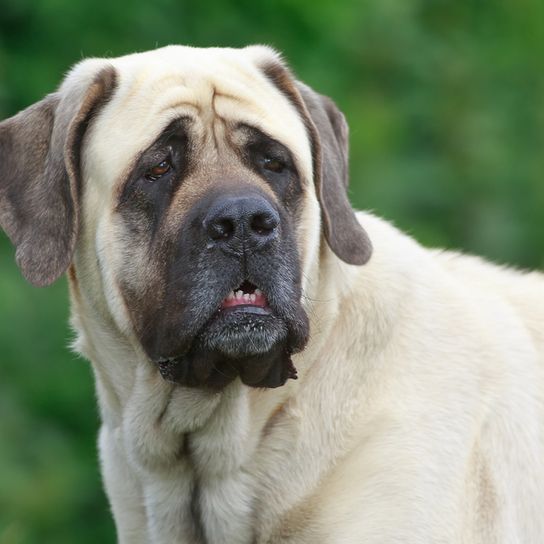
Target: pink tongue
259,300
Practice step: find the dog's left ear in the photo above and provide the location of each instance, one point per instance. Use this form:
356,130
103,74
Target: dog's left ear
40,172
328,132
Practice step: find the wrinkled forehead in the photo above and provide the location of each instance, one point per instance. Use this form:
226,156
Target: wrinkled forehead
207,85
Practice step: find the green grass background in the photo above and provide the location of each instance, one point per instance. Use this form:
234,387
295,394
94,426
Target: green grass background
445,100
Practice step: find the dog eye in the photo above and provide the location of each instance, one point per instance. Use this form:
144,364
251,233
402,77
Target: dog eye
159,170
273,165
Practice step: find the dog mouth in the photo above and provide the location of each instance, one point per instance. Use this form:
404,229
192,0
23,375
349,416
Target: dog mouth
245,337
246,296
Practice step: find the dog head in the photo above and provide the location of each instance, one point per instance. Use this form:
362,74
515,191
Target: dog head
195,187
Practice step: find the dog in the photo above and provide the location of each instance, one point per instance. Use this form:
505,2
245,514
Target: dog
271,367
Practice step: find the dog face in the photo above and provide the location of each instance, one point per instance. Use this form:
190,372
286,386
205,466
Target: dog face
194,186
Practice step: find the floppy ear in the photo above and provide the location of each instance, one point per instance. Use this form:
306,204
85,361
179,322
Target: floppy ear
40,175
328,132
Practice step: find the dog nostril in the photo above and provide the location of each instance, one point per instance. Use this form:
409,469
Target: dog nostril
220,229
263,223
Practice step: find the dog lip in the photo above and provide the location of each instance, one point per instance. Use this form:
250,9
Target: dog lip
246,308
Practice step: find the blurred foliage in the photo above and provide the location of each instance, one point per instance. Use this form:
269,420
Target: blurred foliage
445,99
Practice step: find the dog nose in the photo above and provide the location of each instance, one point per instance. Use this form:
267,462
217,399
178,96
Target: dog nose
238,220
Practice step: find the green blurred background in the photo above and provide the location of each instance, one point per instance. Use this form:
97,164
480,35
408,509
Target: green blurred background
446,105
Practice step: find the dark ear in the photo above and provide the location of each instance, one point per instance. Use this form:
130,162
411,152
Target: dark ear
328,132
40,175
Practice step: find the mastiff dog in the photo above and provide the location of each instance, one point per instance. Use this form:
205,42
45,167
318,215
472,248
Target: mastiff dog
270,366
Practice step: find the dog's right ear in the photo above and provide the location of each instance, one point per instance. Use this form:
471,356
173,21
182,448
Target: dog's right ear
40,173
